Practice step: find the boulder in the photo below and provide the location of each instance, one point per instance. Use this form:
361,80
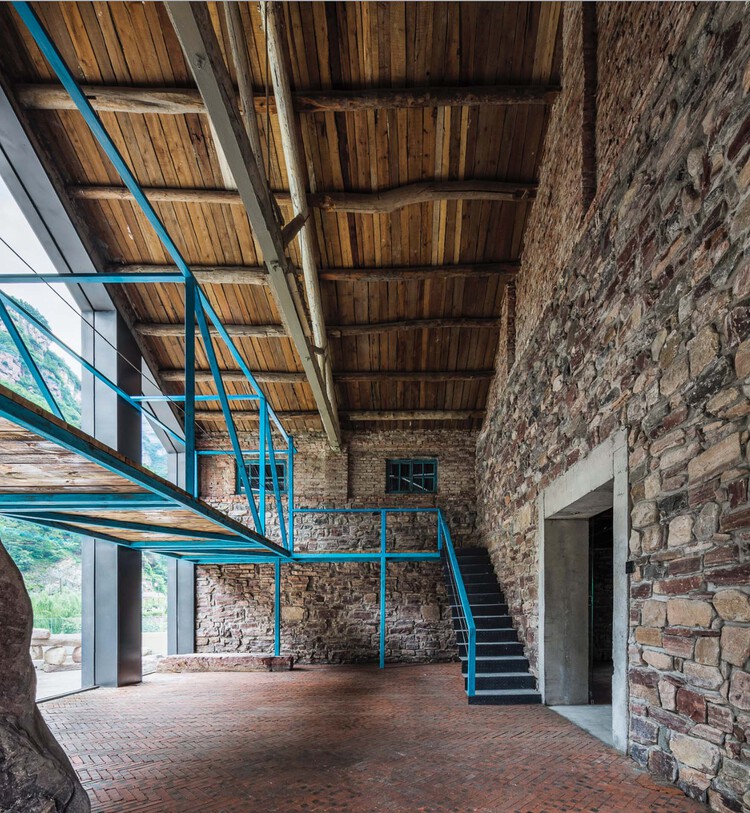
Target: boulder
35,774
55,655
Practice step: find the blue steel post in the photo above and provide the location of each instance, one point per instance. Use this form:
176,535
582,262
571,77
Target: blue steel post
290,491
275,484
277,608
191,459
382,588
262,458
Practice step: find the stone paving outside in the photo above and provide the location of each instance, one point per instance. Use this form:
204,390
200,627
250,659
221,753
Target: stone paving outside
348,739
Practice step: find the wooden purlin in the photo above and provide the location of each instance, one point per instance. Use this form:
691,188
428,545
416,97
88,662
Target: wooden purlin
356,46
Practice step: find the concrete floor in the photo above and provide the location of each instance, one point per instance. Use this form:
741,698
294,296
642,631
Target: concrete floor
50,684
346,739
596,719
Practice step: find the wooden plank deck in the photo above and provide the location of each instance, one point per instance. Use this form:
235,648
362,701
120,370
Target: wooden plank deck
41,455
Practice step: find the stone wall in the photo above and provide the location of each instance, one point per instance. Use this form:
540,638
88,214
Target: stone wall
331,611
636,313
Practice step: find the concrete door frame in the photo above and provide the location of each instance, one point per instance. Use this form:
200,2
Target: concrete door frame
583,484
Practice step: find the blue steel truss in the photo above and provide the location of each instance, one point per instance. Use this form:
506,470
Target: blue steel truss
234,543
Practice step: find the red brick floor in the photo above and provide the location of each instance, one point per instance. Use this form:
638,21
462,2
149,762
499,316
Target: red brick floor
339,739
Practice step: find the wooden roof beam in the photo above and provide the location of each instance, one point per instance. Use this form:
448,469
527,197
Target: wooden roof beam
194,29
215,415
180,101
298,174
176,329
257,275
382,202
343,377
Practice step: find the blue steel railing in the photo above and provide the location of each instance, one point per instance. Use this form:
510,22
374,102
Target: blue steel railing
463,609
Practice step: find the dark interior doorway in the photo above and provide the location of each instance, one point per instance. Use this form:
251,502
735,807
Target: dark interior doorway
601,592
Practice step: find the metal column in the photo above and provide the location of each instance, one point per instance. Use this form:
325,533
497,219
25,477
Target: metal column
180,577
111,624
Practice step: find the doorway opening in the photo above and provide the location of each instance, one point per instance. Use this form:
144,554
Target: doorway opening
583,592
601,605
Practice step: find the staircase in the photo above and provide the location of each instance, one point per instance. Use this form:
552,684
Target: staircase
502,670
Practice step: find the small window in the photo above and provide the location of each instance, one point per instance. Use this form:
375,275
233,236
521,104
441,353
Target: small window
410,476
253,472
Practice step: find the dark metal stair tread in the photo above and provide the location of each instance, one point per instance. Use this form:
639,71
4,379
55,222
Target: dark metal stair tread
497,658
505,692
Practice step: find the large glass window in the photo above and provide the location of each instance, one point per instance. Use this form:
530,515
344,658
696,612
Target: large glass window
411,476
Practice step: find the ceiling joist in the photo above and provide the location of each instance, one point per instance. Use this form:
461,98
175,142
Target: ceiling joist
383,416
257,275
382,202
192,23
177,329
181,101
342,377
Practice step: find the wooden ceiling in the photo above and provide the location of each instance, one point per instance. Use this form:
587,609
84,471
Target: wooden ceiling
411,297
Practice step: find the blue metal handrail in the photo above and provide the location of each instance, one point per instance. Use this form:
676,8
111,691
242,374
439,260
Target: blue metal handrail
463,599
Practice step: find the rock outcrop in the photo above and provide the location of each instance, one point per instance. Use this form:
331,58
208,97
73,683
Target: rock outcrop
35,774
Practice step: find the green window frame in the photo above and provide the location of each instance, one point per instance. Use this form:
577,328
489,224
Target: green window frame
411,476
252,466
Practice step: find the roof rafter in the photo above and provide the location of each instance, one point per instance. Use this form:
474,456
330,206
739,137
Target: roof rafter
179,101
257,275
192,24
297,172
379,202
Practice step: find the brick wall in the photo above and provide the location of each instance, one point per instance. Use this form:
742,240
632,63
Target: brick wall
330,611
636,313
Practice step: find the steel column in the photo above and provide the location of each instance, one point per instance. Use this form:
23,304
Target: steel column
180,607
290,492
383,566
277,608
263,456
191,460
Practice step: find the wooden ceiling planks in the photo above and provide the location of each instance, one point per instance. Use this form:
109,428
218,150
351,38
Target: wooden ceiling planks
331,46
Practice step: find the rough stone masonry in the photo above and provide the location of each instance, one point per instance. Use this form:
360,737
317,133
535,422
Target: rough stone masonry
635,313
330,612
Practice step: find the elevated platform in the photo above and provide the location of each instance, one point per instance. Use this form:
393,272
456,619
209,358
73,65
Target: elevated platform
57,476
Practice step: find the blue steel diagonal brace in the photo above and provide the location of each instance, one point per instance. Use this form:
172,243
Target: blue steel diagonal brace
28,359
227,412
53,56
41,327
